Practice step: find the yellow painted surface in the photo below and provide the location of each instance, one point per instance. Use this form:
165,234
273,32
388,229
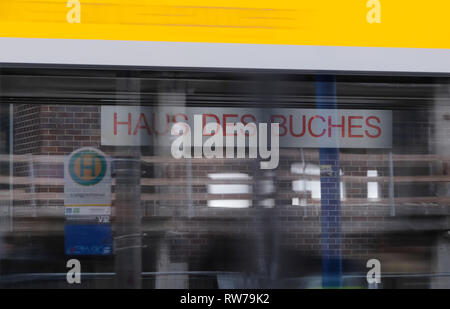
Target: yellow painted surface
404,23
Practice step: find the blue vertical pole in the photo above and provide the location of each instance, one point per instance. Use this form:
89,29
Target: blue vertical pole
330,193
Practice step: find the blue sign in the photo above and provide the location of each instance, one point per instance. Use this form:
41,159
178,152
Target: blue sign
93,239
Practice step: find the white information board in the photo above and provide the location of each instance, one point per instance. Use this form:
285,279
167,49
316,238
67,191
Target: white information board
87,183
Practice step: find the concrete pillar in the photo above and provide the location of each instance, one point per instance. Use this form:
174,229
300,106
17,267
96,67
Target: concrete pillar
441,262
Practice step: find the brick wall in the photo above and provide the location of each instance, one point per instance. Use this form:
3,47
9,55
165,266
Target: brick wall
193,234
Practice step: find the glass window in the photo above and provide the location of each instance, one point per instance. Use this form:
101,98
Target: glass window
92,170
